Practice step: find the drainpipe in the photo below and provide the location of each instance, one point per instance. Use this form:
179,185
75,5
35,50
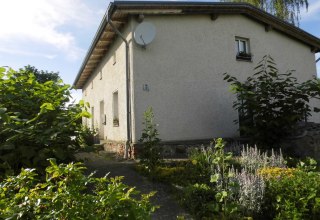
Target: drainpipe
129,137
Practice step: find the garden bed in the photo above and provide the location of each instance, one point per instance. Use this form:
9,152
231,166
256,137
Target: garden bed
213,184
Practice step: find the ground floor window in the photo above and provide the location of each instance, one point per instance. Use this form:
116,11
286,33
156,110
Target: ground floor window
115,104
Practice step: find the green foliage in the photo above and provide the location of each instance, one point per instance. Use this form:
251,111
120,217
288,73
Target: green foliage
288,10
151,154
294,196
41,75
202,160
223,179
167,173
36,121
67,193
270,103
198,200
87,136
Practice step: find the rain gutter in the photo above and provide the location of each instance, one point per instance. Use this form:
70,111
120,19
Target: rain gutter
129,136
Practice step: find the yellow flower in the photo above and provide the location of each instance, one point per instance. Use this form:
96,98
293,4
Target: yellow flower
194,162
276,172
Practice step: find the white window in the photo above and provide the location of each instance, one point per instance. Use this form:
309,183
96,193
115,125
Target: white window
242,45
242,49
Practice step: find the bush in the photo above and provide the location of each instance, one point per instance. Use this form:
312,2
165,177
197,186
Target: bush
292,194
201,163
271,103
199,200
151,154
68,194
36,121
86,136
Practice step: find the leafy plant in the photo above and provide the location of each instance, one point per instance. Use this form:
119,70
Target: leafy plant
36,120
293,194
198,199
86,136
202,160
151,154
222,176
67,193
270,103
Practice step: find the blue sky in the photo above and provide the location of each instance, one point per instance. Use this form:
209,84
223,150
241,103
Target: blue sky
54,35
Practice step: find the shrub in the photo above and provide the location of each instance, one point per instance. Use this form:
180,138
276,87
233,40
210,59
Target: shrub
201,163
292,194
36,121
68,194
87,136
271,103
199,200
151,154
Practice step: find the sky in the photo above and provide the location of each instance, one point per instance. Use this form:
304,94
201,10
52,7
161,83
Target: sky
55,35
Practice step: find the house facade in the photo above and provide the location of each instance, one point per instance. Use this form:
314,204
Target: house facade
180,72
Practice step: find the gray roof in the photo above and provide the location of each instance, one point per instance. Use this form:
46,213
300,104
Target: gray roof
118,12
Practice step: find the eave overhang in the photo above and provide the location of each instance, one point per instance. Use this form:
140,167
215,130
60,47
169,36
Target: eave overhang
119,12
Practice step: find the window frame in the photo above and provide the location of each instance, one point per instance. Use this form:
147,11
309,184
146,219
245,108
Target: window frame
244,53
115,108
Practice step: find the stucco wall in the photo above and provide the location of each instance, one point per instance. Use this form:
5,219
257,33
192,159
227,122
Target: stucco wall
113,79
184,65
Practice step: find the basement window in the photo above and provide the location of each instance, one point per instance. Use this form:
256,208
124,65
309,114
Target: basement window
115,105
243,49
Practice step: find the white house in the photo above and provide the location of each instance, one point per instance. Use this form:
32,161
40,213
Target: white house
180,70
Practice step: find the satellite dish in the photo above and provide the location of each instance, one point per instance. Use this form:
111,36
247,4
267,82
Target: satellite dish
144,33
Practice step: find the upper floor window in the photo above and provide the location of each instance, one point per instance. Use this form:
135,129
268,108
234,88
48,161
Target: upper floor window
243,49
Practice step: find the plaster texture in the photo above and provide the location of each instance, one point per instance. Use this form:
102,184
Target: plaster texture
109,77
183,69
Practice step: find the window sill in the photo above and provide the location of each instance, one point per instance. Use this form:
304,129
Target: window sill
115,123
243,58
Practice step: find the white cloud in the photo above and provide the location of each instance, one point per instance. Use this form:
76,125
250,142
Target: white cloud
45,22
14,51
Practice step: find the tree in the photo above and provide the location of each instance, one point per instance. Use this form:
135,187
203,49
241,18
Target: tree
36,121
270,103
41,75
288,10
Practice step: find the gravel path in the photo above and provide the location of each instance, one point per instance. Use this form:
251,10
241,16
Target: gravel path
103,163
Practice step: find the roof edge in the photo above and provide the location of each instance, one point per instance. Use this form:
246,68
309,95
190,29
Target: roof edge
245,8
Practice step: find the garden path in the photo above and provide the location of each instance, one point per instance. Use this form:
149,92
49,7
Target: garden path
104,163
